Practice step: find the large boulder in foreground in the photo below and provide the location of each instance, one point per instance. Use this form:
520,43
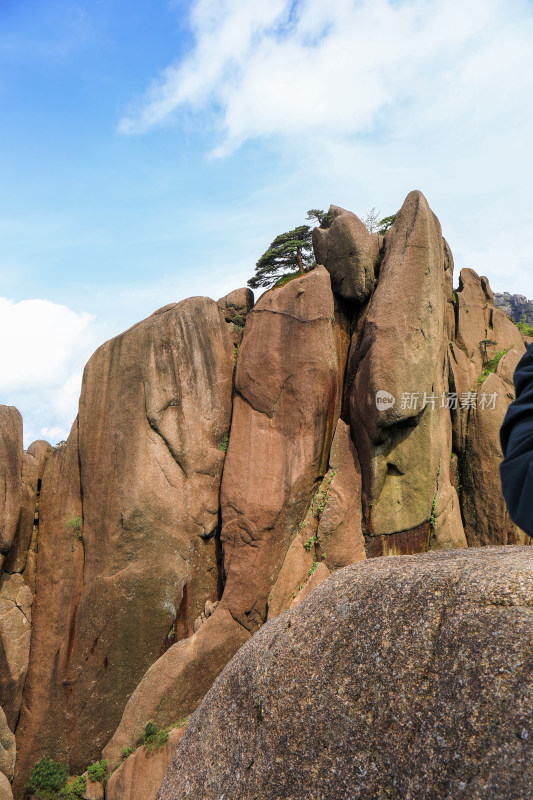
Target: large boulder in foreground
405,677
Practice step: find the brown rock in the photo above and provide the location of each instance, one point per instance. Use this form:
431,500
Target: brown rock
8,750
139,776
46,725
5,788
482,332
10,476
154,409
405,447
15,632
33,464
320,573
478,319
507,365
294,571
403,677
349,253
94,790
285,410
340,537
236,305
16,559
487,521
330,535
174,686
288,393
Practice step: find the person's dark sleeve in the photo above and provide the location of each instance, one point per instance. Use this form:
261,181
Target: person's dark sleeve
516,439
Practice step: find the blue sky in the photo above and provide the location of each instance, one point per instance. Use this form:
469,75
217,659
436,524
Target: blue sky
150,151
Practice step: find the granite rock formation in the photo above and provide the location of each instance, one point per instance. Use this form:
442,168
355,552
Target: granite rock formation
403,677
516,306
129,515
287,401
15,632
10,476
227,459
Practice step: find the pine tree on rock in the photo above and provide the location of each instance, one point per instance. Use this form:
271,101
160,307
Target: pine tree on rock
290,253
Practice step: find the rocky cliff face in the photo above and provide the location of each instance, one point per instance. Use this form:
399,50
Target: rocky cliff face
225,460
516,306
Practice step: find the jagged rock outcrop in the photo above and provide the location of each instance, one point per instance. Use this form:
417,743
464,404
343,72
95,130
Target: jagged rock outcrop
288,393
404,446
330,535
403,677
33,463
10,476
349,253
482,359
516,306
15,631
288,397
236,305
134,530
47,724
487,522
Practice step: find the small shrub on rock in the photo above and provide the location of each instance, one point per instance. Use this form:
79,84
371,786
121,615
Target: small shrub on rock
97,770
152,737
47,778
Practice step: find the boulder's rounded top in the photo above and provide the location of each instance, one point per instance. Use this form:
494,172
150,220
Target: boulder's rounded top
406,676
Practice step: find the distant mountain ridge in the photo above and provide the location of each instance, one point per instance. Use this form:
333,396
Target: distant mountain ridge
515,305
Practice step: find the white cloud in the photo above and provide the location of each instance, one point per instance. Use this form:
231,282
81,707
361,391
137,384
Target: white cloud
44,348
342,68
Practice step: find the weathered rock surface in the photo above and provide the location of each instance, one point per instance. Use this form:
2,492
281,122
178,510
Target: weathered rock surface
288,393
174,686
236,305
141,525
10,476
33,463
8,749
330,535
404,447
5,788
94,790
15,632
516,306
403,678
47,725
139,776
339,535
349,253
487,520
482,331
18,553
